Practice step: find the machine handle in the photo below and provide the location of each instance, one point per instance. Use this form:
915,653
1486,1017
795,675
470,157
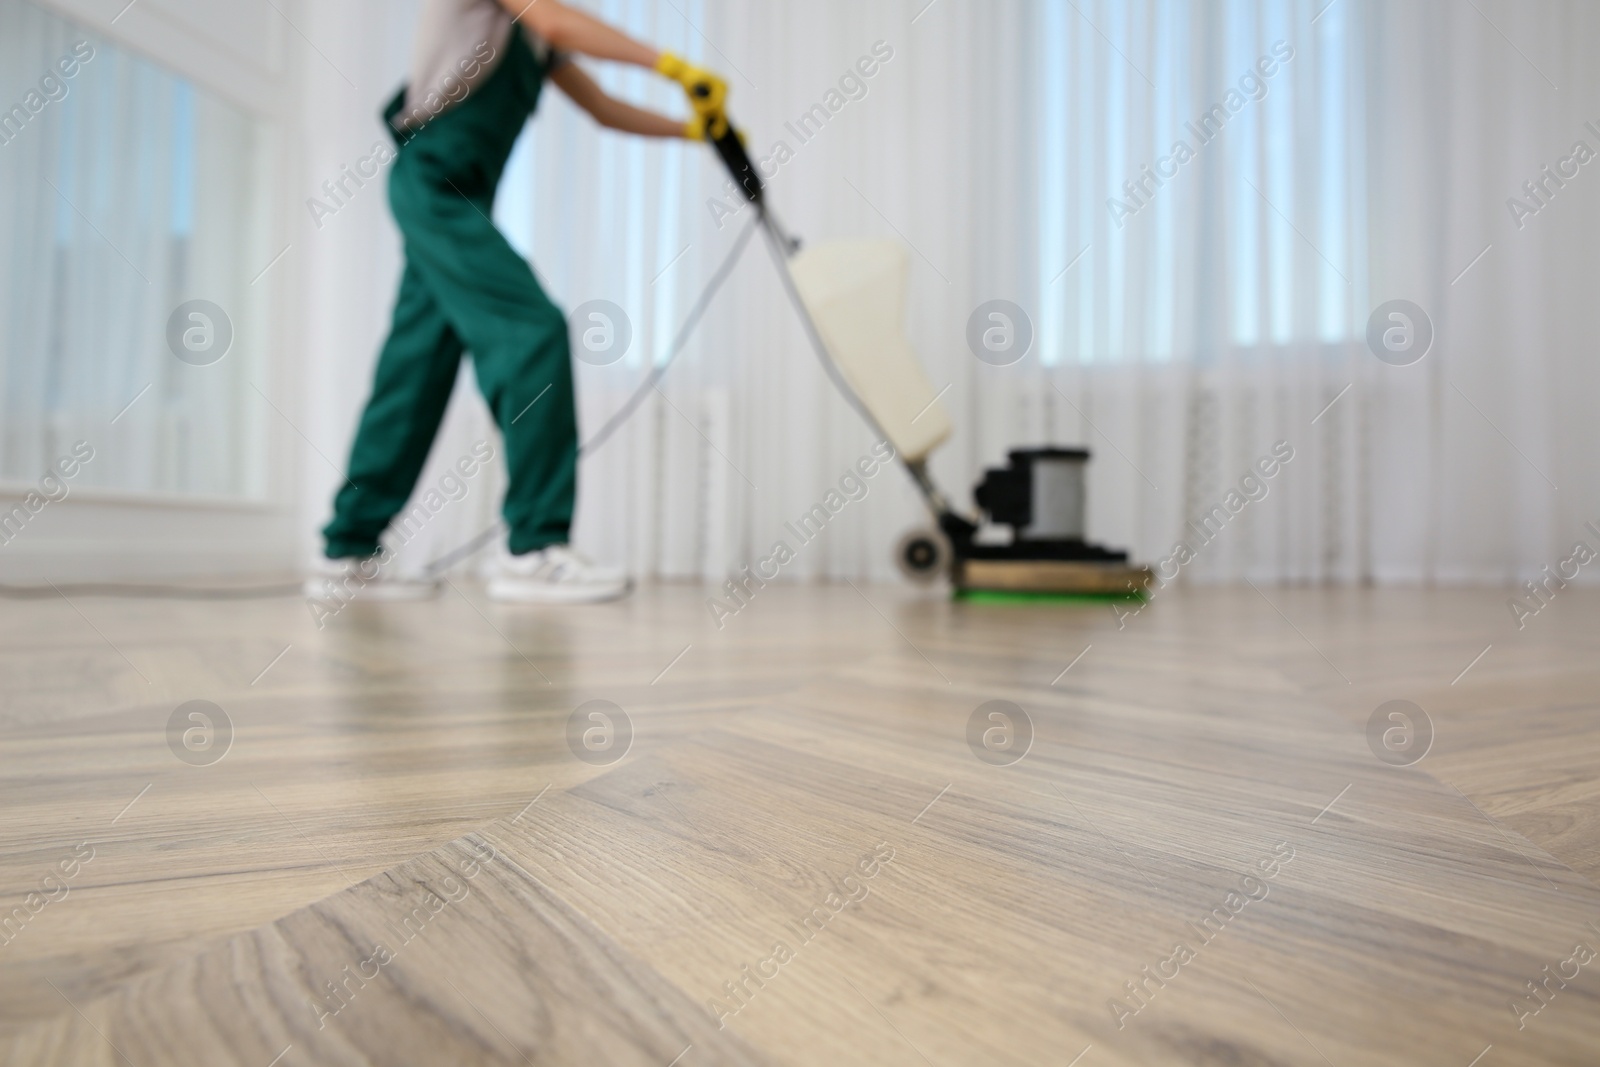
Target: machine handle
731,149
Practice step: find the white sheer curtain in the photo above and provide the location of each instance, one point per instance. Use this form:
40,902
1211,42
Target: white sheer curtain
121,199
1222,316
1195,263
1468,448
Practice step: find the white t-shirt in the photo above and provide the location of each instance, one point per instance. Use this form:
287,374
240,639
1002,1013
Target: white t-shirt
459,44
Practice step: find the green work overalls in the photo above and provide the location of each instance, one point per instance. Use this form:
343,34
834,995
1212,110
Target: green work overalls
465,290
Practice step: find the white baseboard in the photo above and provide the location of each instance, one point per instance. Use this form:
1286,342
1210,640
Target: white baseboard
88,539
22,562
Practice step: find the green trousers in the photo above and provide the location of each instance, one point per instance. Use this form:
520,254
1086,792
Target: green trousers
465,290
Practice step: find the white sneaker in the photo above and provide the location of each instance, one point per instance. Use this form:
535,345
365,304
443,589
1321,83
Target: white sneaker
344,580
555,575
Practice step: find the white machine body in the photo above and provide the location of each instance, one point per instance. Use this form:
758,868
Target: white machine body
856,293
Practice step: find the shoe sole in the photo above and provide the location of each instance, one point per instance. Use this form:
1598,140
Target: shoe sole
515,591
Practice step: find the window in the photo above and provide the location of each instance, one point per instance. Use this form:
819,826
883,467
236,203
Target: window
128,192
1198,180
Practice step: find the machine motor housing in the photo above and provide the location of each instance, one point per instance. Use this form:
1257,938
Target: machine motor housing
1039,494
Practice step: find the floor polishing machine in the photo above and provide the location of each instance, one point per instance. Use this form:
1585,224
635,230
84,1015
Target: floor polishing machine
851,296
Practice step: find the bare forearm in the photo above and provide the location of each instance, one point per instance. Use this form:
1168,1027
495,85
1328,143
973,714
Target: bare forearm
607,110
572,30
620,115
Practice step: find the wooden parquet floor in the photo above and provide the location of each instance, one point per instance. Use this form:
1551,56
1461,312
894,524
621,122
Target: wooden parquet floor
804,839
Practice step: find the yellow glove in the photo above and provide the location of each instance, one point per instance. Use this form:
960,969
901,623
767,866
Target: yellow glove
707,93
695,129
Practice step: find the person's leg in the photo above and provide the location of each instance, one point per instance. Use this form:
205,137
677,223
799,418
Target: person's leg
527,381
416,372
518,341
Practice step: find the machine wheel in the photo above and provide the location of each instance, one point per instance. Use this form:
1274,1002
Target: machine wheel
923,555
